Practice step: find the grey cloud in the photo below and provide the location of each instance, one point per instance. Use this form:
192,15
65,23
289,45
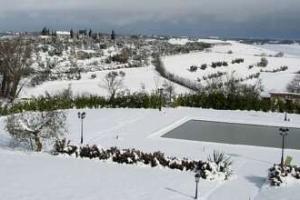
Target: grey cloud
203,17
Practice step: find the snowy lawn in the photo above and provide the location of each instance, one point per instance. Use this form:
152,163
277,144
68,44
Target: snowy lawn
41,176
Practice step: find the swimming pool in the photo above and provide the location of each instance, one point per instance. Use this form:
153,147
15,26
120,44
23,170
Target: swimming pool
233,133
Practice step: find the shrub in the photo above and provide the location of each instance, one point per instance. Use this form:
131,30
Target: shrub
133,156
263,62
203,66
218,165
93,76
64,147
193,68
279,54
278,175
237,61
122,57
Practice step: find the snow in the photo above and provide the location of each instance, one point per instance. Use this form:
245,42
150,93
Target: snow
63,33
180,64
136,79
146,77
180,41
28,176
291,50
41,176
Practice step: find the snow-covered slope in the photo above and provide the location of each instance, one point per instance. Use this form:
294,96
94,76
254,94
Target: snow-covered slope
27,176
136,79
145,78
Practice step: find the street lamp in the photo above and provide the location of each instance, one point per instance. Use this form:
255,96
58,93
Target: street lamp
160,91
283,133
286,117
197,178
81,116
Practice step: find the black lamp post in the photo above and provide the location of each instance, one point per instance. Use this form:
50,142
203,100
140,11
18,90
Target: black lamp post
286,117
283,133
197,178
81,116
160,91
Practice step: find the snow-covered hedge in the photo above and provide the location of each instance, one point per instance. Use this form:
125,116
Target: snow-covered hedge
278,175
207,169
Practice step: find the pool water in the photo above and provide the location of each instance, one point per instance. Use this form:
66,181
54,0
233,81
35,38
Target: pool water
232,133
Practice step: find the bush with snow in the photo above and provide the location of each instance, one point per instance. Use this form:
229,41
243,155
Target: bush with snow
193,68
217,167
237,61
278,175
211,169
203,66
263,62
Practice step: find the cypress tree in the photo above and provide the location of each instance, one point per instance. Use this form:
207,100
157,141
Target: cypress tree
113,35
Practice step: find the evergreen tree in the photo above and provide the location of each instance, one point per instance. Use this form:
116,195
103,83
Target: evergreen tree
72,33
53,33
90,33
45,31
113,35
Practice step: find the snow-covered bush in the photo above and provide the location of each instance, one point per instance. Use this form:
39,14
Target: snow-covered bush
237,61
279,54
278,175
263,62
280,69
203,66
219,165
218,168
93,76
193,68
64,147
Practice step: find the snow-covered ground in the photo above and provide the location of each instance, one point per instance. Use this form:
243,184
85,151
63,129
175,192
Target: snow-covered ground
135,80
28,176
289,49
180,64
147,79
40,176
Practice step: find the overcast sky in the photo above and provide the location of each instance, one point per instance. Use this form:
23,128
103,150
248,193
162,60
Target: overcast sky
228,18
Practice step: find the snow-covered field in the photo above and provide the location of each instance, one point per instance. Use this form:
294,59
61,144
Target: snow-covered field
147,79
180,64
27,175
135,80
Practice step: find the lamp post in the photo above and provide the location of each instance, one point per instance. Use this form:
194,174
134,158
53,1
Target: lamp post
197,178
81,116
160,91
286,117
283,133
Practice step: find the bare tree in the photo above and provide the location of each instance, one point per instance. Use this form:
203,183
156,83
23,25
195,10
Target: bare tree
169,89
113,83
15,61
294,85
34,127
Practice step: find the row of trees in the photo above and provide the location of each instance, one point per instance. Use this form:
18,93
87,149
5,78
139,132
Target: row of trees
46,32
